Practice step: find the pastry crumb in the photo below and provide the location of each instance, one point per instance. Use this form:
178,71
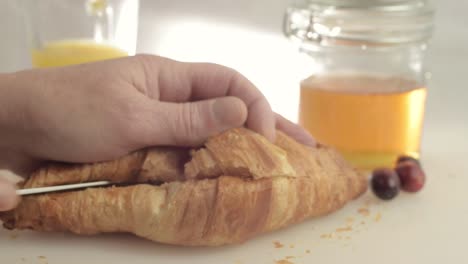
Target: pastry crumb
363,211
344,229
307,251
378,216
278,244
328,235
350,220
291,246
363,222
284,261
290,257
42,259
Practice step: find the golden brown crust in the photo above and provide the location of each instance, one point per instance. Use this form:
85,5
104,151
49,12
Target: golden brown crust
305,182
207,212
161,164
240,152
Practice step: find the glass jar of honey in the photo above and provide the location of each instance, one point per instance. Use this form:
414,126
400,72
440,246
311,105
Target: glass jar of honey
366,91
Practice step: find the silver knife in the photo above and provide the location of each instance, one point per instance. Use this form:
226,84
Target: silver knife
65,187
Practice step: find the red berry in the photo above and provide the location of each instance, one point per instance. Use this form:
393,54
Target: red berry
385,183
411,175
404,158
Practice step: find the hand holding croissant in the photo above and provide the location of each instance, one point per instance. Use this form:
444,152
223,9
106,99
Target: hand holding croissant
103,111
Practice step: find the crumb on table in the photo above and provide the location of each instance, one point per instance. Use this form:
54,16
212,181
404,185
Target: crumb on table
344,229
378,216
42,259
278,244
363,211
283,261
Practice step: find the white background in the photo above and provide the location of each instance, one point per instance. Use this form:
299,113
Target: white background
430,227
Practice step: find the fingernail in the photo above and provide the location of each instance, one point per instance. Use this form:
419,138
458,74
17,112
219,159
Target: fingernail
229,112
7,196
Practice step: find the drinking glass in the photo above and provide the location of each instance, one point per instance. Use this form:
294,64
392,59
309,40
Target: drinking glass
66,32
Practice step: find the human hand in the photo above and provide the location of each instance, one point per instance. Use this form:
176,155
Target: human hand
8,197
101,111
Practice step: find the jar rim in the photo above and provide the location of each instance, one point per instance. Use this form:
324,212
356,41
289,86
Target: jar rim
381,22
367,4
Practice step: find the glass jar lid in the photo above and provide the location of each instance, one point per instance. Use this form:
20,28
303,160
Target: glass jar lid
358,22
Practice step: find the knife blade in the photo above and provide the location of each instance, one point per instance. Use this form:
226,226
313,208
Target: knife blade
56,188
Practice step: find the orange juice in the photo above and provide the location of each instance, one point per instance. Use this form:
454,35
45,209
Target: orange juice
370,119
68,52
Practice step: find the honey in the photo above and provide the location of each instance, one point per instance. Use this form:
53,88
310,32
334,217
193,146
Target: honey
370,119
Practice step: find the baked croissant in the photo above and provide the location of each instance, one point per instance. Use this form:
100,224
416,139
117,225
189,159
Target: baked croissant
237,186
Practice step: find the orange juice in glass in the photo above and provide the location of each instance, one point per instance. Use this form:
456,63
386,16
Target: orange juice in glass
68,52
67,32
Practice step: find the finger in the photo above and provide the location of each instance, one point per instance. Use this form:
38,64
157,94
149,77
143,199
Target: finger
295,131
181,82
191,124
18,163
260,119
8,197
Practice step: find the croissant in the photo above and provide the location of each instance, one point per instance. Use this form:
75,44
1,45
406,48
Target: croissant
236,186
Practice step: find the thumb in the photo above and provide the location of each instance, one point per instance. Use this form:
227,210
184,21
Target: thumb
8,197
191,124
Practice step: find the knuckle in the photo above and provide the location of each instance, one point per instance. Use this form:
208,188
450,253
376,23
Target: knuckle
236,81
144,57
231,74
149,59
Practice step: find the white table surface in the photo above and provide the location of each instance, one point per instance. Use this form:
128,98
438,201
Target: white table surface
428,227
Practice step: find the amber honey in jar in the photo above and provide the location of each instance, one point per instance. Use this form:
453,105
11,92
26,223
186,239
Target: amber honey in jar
367,87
